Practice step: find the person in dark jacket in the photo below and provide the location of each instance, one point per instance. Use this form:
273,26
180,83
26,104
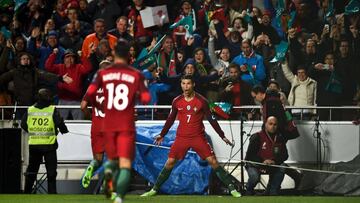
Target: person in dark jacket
26,78
268,147
121,30
42,122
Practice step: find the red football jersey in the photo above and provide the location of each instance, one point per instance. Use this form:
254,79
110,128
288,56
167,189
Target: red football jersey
190,115
97,114
121,85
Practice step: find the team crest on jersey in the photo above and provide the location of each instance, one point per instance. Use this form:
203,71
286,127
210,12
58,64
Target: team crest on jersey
264,145
188,107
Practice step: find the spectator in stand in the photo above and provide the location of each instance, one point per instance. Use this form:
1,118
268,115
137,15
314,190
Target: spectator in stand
26,78
306,19
151,75
70,94
83,11
143,35
49,26
82,28
9,53
246,30
303,50
302,93
121,30
109,10
59,14
93,39
210,89
206,14
44,51
235,91
71,39
233,41
264,47
354,40
233,11
179,32
266,28
349,66
97,54
180,60
222,62
167,57
33,14
252,69
330,86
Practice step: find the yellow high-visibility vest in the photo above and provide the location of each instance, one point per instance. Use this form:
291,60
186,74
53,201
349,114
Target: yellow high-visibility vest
41,126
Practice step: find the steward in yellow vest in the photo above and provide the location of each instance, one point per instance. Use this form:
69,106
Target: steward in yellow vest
42,122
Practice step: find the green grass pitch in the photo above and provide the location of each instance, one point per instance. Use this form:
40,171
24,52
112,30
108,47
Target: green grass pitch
171,199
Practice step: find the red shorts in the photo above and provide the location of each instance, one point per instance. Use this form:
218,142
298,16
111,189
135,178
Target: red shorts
199,144
97,142
120,144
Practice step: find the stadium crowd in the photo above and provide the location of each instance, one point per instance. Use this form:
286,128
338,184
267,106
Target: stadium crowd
308,49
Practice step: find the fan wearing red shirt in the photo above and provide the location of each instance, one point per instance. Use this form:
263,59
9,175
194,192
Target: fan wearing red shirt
121,84
190,107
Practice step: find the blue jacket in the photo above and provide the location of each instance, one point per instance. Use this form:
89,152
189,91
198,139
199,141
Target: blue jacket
256,69
154,87
44,52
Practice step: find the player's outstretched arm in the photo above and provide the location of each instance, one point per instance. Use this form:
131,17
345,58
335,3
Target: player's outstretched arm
170,120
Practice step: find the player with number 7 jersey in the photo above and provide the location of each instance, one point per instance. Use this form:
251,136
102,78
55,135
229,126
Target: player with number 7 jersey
121,84
190,108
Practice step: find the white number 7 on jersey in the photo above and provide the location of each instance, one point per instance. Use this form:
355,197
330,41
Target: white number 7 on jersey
188,118
116,94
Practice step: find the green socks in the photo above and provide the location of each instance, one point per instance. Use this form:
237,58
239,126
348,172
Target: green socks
95,164
123,181
224,177
110,167
163,176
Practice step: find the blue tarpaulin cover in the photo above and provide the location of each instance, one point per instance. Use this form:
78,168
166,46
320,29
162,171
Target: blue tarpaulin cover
189,176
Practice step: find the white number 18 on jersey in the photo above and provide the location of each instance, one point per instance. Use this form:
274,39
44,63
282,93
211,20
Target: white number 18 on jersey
117,96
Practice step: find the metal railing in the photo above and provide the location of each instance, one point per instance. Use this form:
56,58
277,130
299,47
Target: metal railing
153,108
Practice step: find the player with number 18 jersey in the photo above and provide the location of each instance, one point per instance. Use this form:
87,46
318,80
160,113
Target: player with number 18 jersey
121,85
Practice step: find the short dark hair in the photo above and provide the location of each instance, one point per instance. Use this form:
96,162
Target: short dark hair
301,67
273,81
122,49
100,20
188,77
197,49
234,65
258,89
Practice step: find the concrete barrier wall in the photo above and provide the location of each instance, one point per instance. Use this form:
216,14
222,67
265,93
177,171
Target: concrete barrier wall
341,141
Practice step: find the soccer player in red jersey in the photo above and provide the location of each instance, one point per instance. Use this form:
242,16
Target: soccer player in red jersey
121,84
97,137
190,107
